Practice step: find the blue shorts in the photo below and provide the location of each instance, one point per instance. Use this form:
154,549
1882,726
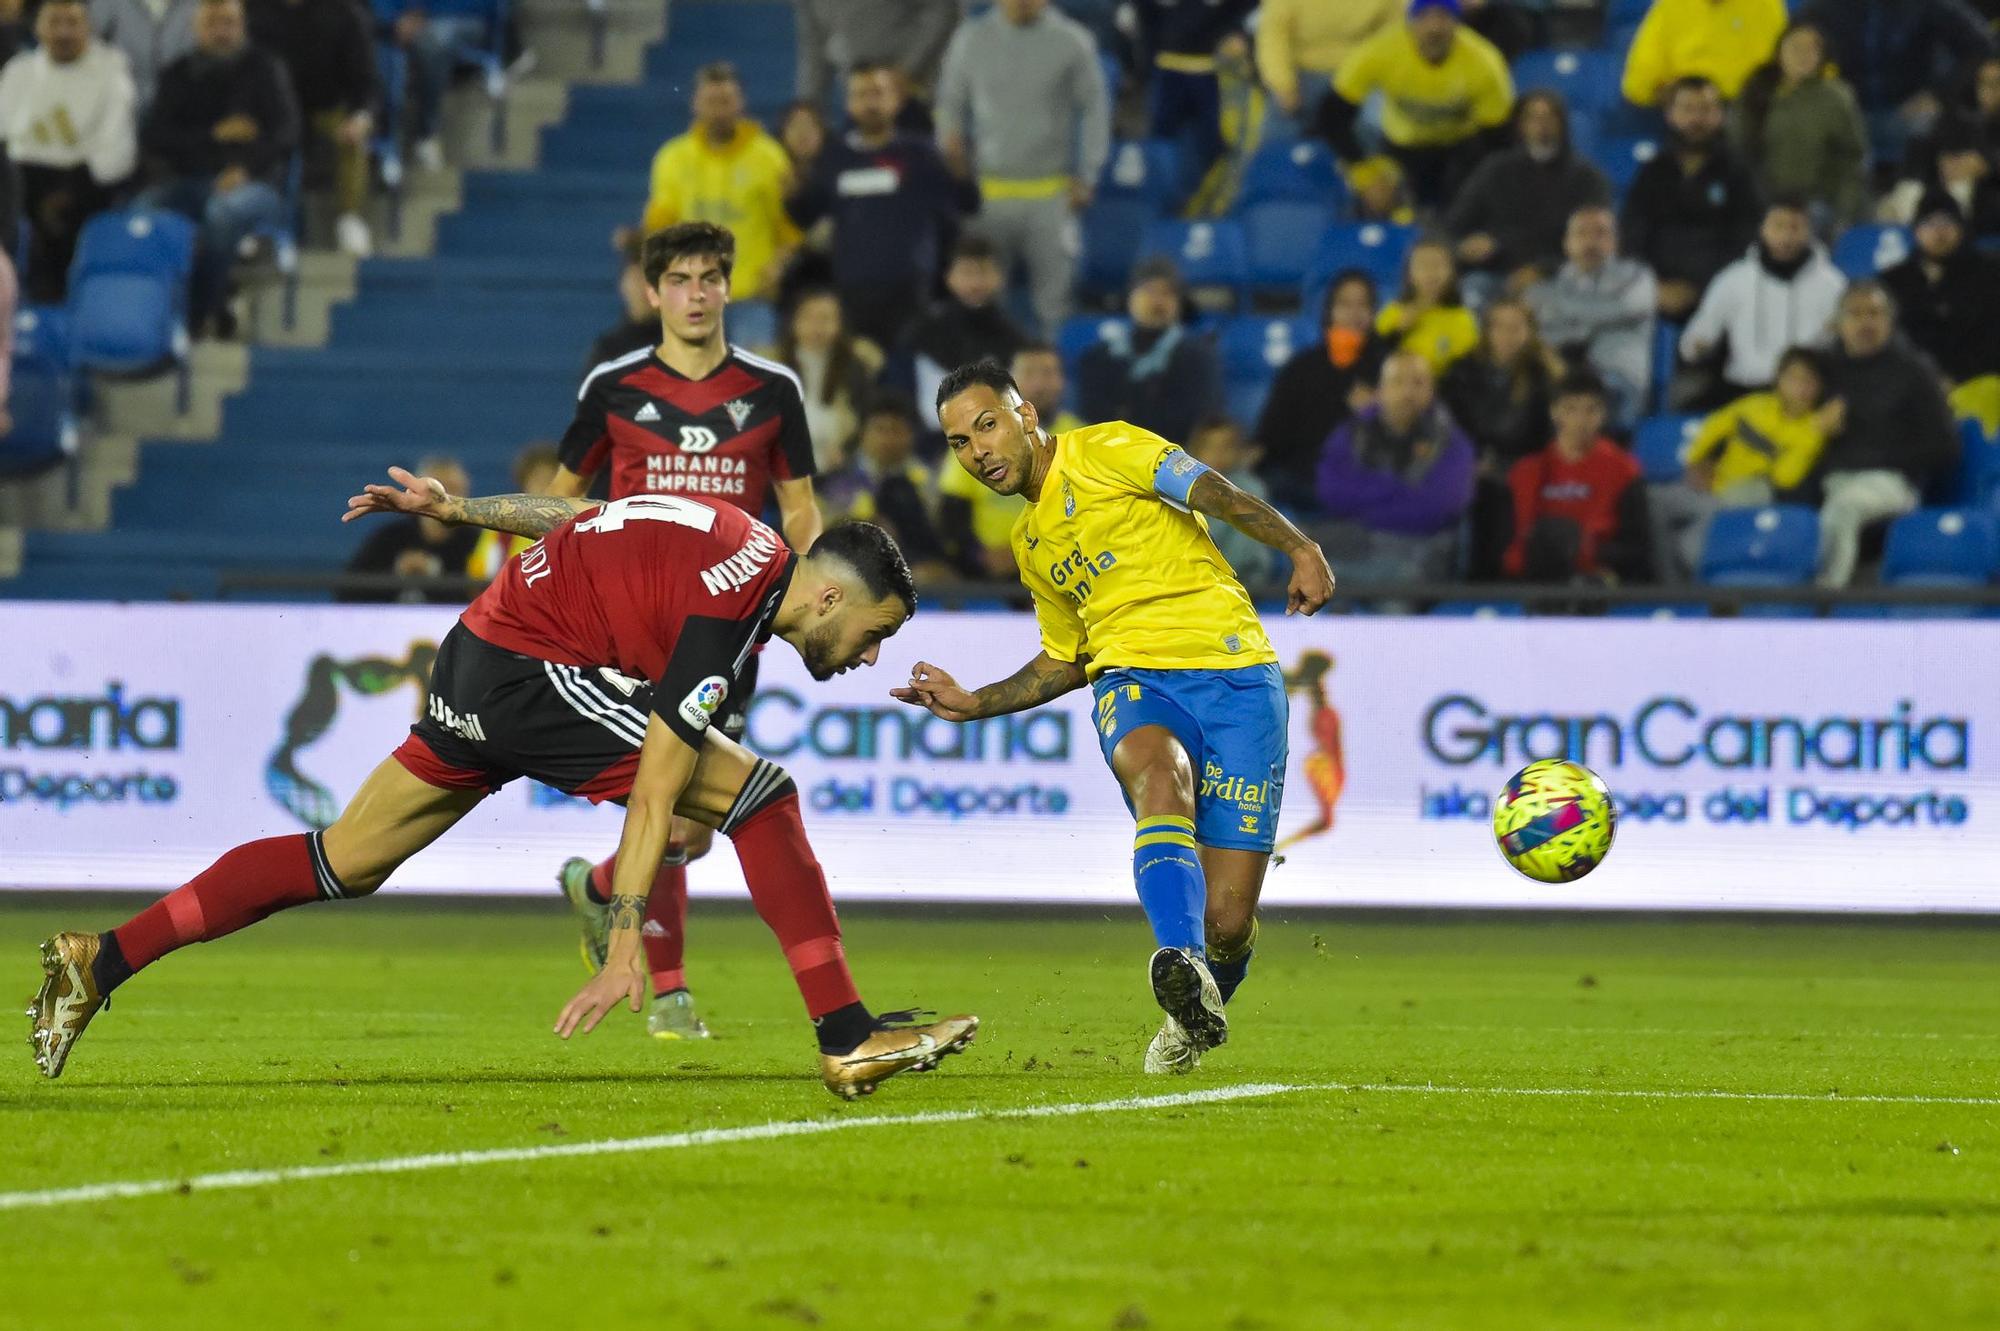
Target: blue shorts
1234,725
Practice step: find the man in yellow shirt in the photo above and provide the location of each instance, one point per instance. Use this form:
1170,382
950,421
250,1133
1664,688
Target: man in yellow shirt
1132,597
1446,98
728,171
1721,40
1300,43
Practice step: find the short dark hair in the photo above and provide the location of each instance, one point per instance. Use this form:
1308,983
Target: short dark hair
989,373
1790,201
1037,349
1689,83
1871,286
972,245
871,552
1809,357
687,240
1580,383
1347,277
1214,420
863,68
889,402
717,71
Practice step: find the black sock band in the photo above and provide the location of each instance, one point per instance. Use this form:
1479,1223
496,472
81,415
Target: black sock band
110,969
842,1030
768,783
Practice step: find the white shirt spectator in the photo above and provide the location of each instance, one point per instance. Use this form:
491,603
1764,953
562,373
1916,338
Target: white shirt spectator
1763,312
66,116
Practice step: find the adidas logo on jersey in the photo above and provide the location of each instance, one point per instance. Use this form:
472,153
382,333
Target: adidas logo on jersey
649,412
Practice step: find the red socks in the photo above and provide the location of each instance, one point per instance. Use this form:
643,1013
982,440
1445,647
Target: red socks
665,930
789,890
246,884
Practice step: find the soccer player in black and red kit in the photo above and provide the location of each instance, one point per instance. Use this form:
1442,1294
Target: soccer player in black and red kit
596,663
691,416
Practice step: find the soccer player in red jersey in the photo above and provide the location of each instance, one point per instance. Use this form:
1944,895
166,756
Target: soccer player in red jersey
596,664
691,416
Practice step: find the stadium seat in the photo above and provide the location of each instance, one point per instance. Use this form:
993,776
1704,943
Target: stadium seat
1243,400
1080,332
1661,443
1941,547
1622,157
1258,346
1281,235
1376,248
1675,610
1210,254
1978,478
40,395
128,291
1588,80
1666,361
1480,609
1761,547
1111,232
1295,171
1863,251
1147,171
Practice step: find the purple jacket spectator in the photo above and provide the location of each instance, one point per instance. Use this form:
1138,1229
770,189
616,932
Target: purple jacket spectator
1416,484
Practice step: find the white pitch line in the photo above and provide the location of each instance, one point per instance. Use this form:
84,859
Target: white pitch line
258,1178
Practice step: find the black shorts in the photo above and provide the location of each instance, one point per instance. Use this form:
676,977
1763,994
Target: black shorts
494,715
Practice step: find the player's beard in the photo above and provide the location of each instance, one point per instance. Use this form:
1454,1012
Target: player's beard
818,652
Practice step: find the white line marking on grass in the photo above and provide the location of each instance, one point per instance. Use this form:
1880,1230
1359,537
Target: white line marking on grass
258,1178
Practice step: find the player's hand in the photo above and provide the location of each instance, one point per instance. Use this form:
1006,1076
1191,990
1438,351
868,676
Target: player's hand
424,496
1312,581
937,693
622,977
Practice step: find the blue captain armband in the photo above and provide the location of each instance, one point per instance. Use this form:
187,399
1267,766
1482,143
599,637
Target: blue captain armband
1174,478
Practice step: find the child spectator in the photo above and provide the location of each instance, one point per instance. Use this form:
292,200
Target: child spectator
1429,317
885,483
1579,504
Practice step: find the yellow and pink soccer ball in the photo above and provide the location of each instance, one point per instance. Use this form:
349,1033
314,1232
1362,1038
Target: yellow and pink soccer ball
1554,821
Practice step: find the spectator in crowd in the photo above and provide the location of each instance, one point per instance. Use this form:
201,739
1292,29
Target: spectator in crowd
1718,40
1694,207
1320,387
1782,294
725,169
535,468
906,38
414,547
1395,481
1754,451
836,369
1947,292
424,38
1598,310
1022,105
969,323
1500,395
1038,373
893,204
977,524
1896,438
1510,216
885,483
1959,163
1580,503
152,34
1445,93
1219,443
1300,43
1897,53
1429,317
222,129
1800,130
1181,42
803,133
66,114
1378,191
640,326
1157,374
329,55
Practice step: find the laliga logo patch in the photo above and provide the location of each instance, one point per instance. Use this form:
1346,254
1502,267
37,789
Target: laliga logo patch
698,708
1181,464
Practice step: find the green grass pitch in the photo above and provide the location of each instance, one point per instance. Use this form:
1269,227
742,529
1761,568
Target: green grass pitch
388,1029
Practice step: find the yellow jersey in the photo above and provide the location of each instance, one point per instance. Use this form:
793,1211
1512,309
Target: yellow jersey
1753,439
1440,335
1426,105
1124,575
740,184
1723,39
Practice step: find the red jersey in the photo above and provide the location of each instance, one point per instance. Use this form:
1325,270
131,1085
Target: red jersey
726,436
662,589
1588,492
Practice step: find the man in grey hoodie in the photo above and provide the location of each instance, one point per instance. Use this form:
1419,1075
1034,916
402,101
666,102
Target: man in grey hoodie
1599,310
1022,102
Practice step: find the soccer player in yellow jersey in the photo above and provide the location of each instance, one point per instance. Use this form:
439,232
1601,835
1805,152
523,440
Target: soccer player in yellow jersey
1133,598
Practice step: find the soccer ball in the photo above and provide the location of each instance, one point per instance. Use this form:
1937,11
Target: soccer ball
1554,821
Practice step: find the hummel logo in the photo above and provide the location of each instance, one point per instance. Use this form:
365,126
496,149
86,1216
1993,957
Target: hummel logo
649,412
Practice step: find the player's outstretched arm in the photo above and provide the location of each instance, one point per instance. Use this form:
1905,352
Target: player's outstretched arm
1043,679
1312,580
666,765
533,516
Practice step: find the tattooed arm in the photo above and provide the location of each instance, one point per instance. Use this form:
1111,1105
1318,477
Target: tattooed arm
1043,679
422,496
1312,581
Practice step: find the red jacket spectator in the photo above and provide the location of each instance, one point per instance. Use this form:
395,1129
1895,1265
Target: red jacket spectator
1579,506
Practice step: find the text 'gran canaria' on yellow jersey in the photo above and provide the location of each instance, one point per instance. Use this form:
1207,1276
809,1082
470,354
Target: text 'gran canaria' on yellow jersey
1121,570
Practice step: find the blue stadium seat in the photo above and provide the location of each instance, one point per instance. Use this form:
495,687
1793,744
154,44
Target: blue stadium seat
1281,236
1480,609
1210,254
1243,400
1080,332
41,396
1761,547
1623,156
1111,232
1623,13
1588,80
1255,346
128,291
1146,170
1941,547
1660,443
1675,610
1376,248
1863,251
1666,360
1978,478
1295,171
